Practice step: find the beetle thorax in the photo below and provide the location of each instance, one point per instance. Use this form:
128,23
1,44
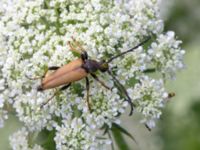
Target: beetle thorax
91,66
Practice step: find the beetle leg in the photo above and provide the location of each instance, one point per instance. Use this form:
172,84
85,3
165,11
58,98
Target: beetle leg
73,48
84,56
65,87
88,89
78,44
50,68
53,68
36,78
124,91
101,82
61,89
43,104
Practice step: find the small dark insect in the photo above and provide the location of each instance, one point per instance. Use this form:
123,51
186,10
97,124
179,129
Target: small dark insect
79,69
170,95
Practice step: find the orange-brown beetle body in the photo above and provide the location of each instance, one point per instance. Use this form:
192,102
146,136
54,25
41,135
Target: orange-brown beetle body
64,75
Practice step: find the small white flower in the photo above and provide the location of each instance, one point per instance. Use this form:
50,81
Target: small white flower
1,101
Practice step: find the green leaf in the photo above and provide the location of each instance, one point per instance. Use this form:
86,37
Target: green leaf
49,142
76,111
132,81
124,131
77,89
119,139
76,54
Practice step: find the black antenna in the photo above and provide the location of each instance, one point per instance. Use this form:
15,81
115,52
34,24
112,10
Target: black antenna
130,50
123,90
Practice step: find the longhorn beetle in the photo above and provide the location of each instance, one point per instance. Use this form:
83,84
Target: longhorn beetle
79,69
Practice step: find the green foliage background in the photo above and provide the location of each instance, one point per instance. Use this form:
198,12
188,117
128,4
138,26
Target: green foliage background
179,127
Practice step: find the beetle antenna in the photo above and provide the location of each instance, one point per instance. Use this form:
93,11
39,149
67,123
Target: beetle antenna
124,91
130,50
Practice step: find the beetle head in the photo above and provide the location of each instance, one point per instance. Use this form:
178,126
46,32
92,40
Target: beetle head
103,66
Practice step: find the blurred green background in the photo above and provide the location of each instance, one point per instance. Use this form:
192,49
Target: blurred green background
179,127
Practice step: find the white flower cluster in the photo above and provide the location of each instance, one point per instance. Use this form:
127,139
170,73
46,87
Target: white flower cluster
19,141
3,112
34,35
75,134
166,54
148,100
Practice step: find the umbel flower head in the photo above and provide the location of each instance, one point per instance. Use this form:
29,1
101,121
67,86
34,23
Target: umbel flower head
34,36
